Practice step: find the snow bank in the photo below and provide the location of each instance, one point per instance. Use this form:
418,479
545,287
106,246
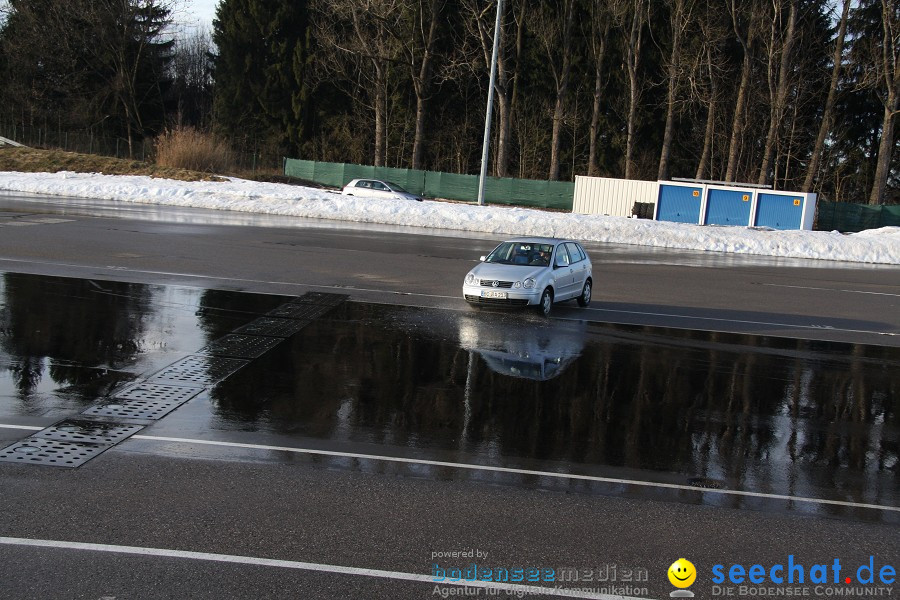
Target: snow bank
873,246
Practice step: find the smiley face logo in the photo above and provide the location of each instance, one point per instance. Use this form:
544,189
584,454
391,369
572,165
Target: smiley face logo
682,573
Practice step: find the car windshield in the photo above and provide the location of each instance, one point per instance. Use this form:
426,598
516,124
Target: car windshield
521,253
395,188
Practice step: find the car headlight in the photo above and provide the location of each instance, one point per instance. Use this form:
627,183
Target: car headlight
528,283
470,279
517,284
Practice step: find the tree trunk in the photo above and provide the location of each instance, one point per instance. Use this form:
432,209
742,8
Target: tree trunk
599,54
707,140
632,59
422,86
562,90
507,79
779,99
674,67
890,72
380,115
883,165
738,121
828,114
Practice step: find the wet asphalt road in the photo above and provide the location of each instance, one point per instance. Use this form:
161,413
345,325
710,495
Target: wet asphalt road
633,410
218,249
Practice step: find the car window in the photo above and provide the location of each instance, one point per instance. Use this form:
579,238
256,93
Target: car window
377,185
583,251
501,254
562,257
363,184
574,253
395,188
540,255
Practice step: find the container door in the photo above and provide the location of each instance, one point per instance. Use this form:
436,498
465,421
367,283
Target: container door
679,204
728,207
779,211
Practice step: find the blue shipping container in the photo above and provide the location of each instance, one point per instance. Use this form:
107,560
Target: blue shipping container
779,211
679,204
728,207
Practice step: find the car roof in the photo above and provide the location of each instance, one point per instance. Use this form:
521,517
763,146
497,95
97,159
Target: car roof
352,181
540,240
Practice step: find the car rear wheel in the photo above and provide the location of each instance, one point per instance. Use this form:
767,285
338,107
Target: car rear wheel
546,303
585,298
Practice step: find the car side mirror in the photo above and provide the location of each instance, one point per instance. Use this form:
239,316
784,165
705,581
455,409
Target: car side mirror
483,258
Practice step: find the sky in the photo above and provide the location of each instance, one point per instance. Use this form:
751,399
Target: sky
195,12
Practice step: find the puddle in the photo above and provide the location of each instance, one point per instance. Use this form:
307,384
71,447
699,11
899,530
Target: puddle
708,410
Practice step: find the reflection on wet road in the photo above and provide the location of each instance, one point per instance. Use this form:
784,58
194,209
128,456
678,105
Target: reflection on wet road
800,418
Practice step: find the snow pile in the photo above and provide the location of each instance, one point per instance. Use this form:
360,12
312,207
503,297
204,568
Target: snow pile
873,246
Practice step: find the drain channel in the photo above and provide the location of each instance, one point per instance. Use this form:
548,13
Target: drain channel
144,401
321,298
72,442
88,432
272,326
240,346
201,370
69,443
305,312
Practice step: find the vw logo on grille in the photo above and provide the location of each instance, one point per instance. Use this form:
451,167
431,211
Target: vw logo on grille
496,284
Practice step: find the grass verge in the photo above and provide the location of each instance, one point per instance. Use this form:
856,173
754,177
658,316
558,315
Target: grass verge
34,160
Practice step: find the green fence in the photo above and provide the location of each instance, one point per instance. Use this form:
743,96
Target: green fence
434,184
848,218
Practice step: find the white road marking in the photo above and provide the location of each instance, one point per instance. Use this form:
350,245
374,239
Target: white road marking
820,289
474,467
514,471
304,566
743,322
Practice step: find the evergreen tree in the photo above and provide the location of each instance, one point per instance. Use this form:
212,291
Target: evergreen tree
86,63
260,91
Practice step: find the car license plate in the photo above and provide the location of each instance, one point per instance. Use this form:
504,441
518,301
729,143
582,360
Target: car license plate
493,294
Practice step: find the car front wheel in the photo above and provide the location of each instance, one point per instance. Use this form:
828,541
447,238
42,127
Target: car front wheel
546,302
585,298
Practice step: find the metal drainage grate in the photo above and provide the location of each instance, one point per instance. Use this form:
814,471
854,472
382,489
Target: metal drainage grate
271,326
240,346
134,409
202,370
158,392
291,310
706,483
322,298
36,451
88,432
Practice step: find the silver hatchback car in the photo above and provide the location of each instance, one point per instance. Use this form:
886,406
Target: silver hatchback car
531,272
377,188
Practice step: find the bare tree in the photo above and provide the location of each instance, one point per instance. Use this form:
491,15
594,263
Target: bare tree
552,22
885,79
419,52
191,72
359,49
744,17
828,113
598,32
478,17
778,91
680,21
632,16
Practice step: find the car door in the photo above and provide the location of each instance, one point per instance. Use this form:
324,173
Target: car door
563,274
381,191
579,264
